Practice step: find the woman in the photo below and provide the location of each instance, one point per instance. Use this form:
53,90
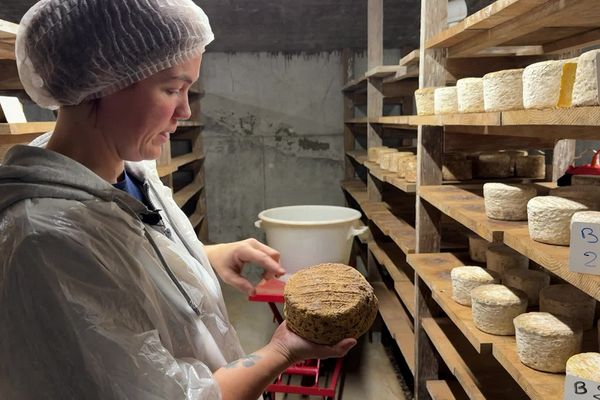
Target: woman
105,292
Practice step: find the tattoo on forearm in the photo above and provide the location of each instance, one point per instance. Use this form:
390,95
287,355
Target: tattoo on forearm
246,361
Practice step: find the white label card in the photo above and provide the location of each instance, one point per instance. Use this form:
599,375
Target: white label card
584,253
581,389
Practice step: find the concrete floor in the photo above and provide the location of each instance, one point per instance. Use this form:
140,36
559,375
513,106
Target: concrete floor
369,373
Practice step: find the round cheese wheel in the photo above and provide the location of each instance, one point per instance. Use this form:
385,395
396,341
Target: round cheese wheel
424,99
469,92
383,152
585,366
373,152
495,306
550,217
545,342
541,84
467,278
410,169
567,301
386,159
585,90
329,302
530,166
529,281
503,90
457,169
445,100
507,202
585,180
396,160
478,248
500,258
496,165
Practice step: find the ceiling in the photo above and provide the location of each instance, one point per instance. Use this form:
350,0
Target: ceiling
293,26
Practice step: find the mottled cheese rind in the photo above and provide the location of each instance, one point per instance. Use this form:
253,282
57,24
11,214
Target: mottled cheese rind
507,202
495,306
399,162
383,152
567,301
501,258
445,100
549,219
545,342
530,166
424,99
585,366
503,90
373,152
469,92
478,248
585,91
496,165
541,84
457,169
593,180
467,278
329,302
529,281
410,170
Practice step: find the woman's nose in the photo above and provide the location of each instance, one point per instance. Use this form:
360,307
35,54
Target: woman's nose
183,110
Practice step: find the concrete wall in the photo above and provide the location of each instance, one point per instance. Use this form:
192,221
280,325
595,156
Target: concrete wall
273,136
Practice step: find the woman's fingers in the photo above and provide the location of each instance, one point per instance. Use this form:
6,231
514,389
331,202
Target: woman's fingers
253,255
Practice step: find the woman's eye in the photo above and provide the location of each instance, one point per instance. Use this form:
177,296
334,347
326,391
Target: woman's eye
174,91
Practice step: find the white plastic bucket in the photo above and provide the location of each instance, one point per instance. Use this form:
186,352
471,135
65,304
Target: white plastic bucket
309,235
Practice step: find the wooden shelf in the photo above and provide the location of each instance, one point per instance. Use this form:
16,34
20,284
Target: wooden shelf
360,156
394,122
196,218
384,253
411,58
556,25
357,190
397,322
25,128
401,233
361,120
439,390
187,192
383,71
390,177
177,162
8,35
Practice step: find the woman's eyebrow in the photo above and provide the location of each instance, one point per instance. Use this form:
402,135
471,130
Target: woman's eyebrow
184,78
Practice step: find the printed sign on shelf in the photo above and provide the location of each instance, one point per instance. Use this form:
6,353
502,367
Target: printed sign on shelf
581,389
584,253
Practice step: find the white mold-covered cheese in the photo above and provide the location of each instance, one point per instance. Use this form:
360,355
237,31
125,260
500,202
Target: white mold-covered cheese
593,180
445,100
567,301
478,248
501,258
386,159
545,342
530,166
383,152
529,281
373,152
395,161
410,169
424,101
507,202
586,195
585,366
467,278
457,169
541,84
495,306
585,91
550,217
469,92
503,90
586,216
496,165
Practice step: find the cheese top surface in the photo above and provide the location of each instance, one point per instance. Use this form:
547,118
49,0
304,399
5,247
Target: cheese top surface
546,324
498,294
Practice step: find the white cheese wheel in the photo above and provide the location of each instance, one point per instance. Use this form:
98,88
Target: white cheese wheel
530,166
396,159
507,202
529,281
478,248
386,159
567,301
457,169
585,91
496,165
586,195
586,216
503,90
585,366
495,306
469,92
546,342
410,169
373,152
550,217
467,278
577,180
541,84
501,258
445,100
383,152
424,99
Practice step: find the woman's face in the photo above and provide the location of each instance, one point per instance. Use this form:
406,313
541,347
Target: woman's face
138,120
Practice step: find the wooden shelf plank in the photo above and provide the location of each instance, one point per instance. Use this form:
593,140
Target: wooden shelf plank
402,233
196,219
411,58
187,192
577,116
390,177
355,84
361,120
8,36
382,71
24,128
439,390
357,189
360,156
397,322
396,120
176,162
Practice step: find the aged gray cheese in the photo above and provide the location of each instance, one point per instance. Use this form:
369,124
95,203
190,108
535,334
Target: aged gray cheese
593,180
530,166
470,95
585,366
496,165
501,258
503,90
477,248
467,278
329,302
424,99
495,306
456,168
529,281
541,84
546,342
586,195
567,301
445,100
585,90
550,217
507,202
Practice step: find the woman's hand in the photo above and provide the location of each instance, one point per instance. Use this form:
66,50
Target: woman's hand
297,349
228,259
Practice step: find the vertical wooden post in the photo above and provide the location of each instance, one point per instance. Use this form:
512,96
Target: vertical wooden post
347,66
430,143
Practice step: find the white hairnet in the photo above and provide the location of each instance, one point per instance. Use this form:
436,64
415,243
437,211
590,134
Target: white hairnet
70,51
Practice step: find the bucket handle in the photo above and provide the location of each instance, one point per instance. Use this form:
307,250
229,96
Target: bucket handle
357,231
258,224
